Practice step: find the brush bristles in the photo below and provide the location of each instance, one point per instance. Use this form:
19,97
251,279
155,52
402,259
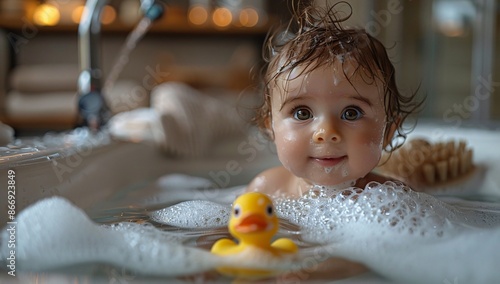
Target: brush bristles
420,162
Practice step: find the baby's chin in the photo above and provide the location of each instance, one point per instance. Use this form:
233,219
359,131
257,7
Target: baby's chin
334,183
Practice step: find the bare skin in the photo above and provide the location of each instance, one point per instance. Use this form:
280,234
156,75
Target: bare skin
329,127
279,181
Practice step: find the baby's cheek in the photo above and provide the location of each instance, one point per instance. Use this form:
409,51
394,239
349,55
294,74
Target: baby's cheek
372,144
375,149
285,147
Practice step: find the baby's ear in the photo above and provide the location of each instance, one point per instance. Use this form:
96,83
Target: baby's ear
269,127
390,130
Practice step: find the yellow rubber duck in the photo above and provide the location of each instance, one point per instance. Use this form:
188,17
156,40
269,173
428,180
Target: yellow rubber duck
254,223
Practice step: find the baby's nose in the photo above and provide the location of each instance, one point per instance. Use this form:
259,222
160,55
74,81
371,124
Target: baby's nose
326,133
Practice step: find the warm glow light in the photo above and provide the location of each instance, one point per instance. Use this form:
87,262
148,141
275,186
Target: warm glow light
451,30
249,17
76,15
222,17
46,15
198,15
108,15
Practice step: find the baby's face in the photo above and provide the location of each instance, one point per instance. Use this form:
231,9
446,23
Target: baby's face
326,131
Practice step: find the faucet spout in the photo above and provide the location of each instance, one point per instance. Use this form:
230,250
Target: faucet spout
92,106
152,9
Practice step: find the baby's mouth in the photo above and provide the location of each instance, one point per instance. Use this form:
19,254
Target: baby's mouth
328,161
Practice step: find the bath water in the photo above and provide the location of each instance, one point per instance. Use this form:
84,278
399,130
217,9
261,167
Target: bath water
396,232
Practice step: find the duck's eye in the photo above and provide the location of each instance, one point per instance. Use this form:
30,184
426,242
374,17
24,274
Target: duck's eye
236,211
270,210
302,113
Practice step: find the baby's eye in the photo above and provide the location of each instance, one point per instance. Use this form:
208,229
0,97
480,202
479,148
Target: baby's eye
352,113
302,114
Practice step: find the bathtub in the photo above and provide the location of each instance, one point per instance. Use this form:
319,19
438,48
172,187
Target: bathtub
91,174
86,173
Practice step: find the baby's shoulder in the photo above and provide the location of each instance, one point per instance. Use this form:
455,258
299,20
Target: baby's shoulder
362,182
271,180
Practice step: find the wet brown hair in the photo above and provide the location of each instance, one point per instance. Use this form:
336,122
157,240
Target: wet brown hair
314,38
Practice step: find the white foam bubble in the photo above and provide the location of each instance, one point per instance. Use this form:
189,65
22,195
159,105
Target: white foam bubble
53,233
345,170
194,214
400,233
334,168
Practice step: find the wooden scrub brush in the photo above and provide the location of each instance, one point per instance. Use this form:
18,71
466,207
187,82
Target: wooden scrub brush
426,166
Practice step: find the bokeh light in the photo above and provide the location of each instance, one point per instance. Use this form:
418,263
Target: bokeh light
249,17
77,13
198,15
46,15
222,17
108,15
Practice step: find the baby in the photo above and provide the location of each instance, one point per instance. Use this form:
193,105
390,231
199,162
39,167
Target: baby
331,106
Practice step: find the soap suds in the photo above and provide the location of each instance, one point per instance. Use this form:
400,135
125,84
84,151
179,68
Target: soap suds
398,233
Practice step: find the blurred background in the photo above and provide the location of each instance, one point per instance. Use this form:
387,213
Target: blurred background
446,50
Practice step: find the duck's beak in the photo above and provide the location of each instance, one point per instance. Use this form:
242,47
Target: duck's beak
251,224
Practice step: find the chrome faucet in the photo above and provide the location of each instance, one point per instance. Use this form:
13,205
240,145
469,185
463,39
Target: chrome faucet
92,107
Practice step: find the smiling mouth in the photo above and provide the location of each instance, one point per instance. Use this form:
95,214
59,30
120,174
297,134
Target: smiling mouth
329,161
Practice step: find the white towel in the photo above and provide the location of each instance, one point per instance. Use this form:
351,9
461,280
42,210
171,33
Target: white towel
43,105
181,121
43,78
192,121
138,125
